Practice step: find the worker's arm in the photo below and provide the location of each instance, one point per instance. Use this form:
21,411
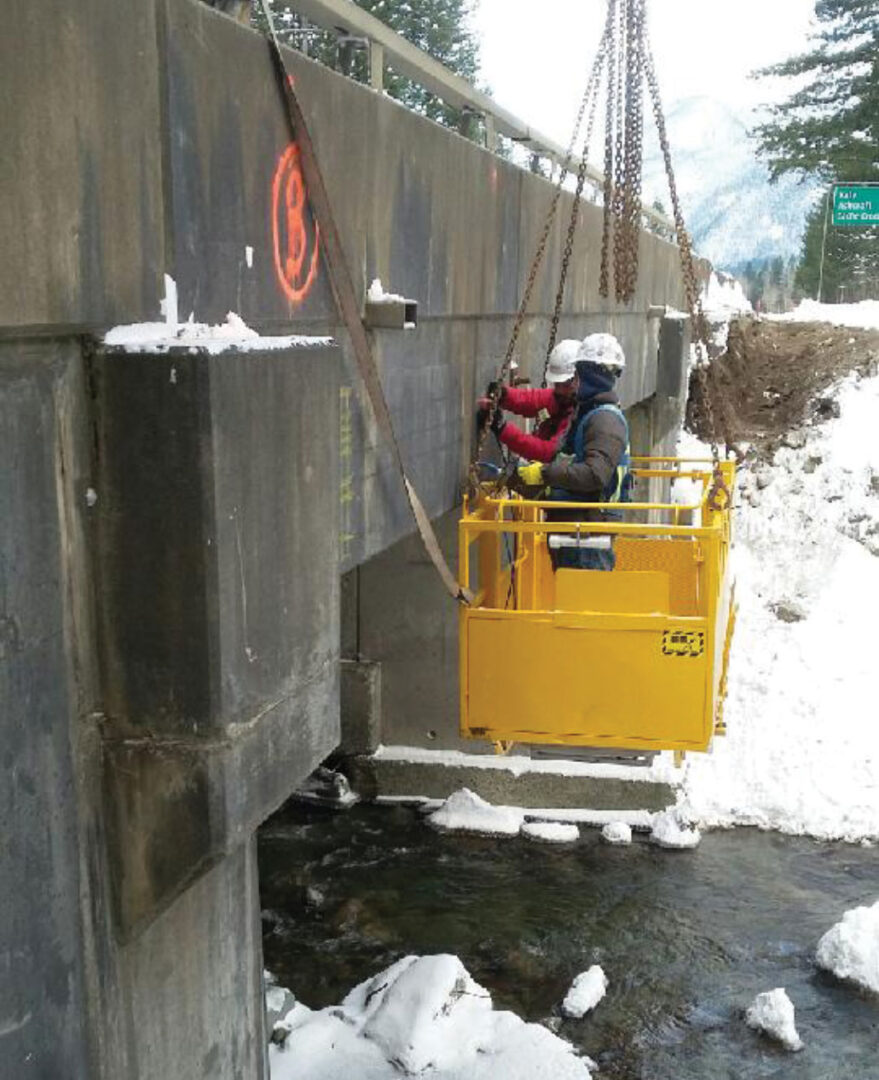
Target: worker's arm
526,401
531,446
603,451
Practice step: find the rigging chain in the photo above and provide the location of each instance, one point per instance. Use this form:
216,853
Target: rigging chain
540,251
592,90
631,65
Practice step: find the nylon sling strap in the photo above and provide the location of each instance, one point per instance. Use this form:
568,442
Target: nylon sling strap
348,306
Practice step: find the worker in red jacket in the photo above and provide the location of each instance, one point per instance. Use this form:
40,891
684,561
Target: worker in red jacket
553,407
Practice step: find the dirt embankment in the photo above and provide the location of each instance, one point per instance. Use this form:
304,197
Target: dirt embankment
774,376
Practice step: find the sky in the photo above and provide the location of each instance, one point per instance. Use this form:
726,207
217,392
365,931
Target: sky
536,57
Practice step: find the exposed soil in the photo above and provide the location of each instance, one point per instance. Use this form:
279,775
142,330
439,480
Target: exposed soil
775,376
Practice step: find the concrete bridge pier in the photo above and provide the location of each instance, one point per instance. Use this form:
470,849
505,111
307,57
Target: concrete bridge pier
169,636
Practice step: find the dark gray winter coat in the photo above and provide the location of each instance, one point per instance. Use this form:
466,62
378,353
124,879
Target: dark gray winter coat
603,450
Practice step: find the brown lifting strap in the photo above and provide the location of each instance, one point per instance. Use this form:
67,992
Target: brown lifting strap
348,306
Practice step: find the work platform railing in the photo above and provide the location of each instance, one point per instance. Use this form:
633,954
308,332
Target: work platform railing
385,46
631,658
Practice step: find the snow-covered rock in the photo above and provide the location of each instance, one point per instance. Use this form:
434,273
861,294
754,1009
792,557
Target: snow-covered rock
425,1017
551,832
586,991
617,832
464,811
850,949
773,1014
669,832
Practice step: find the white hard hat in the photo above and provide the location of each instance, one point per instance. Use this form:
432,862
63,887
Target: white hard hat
604,350
563,361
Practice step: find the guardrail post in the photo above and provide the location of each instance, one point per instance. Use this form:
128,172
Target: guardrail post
490,133
377,66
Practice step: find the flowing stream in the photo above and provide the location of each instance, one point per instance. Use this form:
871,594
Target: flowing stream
687,939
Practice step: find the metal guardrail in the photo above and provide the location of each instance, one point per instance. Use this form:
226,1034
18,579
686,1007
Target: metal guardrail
347,19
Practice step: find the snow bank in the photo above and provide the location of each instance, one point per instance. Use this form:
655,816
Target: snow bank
851,948
861,316
724,297
669,832
426,1017
550,832
586,991
800,755
464,811
773,1013
617,832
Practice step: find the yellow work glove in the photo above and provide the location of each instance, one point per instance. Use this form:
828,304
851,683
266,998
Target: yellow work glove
531,475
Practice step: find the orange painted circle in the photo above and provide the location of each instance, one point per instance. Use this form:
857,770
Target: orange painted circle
295,241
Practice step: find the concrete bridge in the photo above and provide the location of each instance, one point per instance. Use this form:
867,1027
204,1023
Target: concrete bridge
192,542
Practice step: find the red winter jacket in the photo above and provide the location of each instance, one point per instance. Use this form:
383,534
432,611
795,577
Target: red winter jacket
546,441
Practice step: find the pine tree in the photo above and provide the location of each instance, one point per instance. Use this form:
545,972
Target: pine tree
830,127
439,27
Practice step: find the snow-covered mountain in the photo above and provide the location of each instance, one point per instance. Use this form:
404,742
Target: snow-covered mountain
732,211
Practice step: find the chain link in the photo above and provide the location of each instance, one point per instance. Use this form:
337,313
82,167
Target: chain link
591,89
578,194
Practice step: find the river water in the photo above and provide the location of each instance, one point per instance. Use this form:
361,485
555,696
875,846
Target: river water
687,939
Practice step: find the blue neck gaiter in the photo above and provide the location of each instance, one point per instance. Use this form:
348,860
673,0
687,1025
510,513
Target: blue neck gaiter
593,380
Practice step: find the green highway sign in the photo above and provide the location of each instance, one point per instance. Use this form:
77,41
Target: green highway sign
856,205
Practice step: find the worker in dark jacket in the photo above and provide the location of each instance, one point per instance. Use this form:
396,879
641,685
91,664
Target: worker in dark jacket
554,407
593,464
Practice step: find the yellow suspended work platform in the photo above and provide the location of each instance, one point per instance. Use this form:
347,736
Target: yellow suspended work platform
634,658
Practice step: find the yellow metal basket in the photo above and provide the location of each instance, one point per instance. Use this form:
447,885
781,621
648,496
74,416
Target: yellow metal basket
633,658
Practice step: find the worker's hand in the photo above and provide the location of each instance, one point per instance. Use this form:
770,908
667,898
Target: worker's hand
494,391
498,423
531,475
483,412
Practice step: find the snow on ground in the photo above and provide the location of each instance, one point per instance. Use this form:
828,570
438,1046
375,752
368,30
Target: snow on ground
801,754
423,1016
586,991
773,1013
851,948
863,316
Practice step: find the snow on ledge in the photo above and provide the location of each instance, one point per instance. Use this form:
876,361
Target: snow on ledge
464,811
550,832
233,334
662,769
